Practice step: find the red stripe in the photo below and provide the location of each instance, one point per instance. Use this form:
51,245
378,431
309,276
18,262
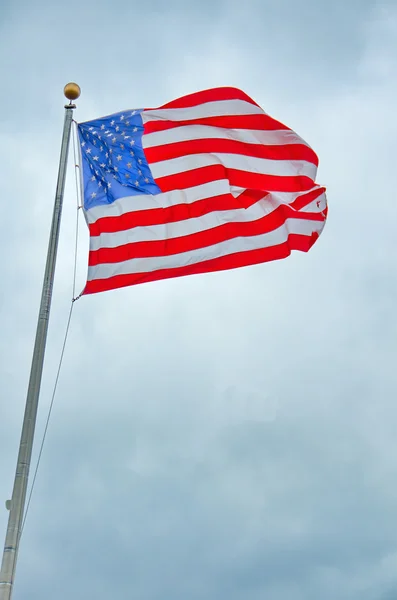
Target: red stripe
232,261
211,95
201,239
255,122
244,179
172,214
208,145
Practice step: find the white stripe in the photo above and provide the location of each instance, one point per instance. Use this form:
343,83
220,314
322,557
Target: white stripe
186,133
175,197
163,200
176,229
240,244
167,231
233,161
219,108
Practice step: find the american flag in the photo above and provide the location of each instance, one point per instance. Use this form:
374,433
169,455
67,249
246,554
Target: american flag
205,183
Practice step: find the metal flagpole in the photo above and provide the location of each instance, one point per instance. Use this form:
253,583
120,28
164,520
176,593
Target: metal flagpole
17,504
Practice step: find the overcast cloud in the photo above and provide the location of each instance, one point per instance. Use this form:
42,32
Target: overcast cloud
230,435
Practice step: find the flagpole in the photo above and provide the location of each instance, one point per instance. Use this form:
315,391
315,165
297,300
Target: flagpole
16,505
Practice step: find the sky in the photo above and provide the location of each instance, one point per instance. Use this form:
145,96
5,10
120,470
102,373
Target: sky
229,435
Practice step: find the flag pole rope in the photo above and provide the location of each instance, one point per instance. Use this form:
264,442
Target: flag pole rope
78,197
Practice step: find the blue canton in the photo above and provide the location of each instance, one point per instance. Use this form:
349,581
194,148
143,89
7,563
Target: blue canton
114,162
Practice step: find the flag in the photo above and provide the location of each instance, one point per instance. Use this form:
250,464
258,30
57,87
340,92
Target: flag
205,183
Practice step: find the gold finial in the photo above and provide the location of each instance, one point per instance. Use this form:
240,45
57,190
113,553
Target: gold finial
72,91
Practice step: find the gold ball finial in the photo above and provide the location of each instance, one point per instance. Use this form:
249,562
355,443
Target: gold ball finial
72,91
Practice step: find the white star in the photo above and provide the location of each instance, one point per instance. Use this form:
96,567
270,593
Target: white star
122,146
93,194
114,140
95,157
129,165
102,165
93,178
109,185
117,128
131,153
122,118
132,142
127,122
99,184
102,126
116,169
112,122
139,160
107,155
88,150
146,180
94,142
100,148
126,137
107,131
119,157
90,128
133,113
137,183
111,150
82,144
127,175
135,129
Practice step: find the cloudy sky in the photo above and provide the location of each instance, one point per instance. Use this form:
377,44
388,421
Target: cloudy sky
230,435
